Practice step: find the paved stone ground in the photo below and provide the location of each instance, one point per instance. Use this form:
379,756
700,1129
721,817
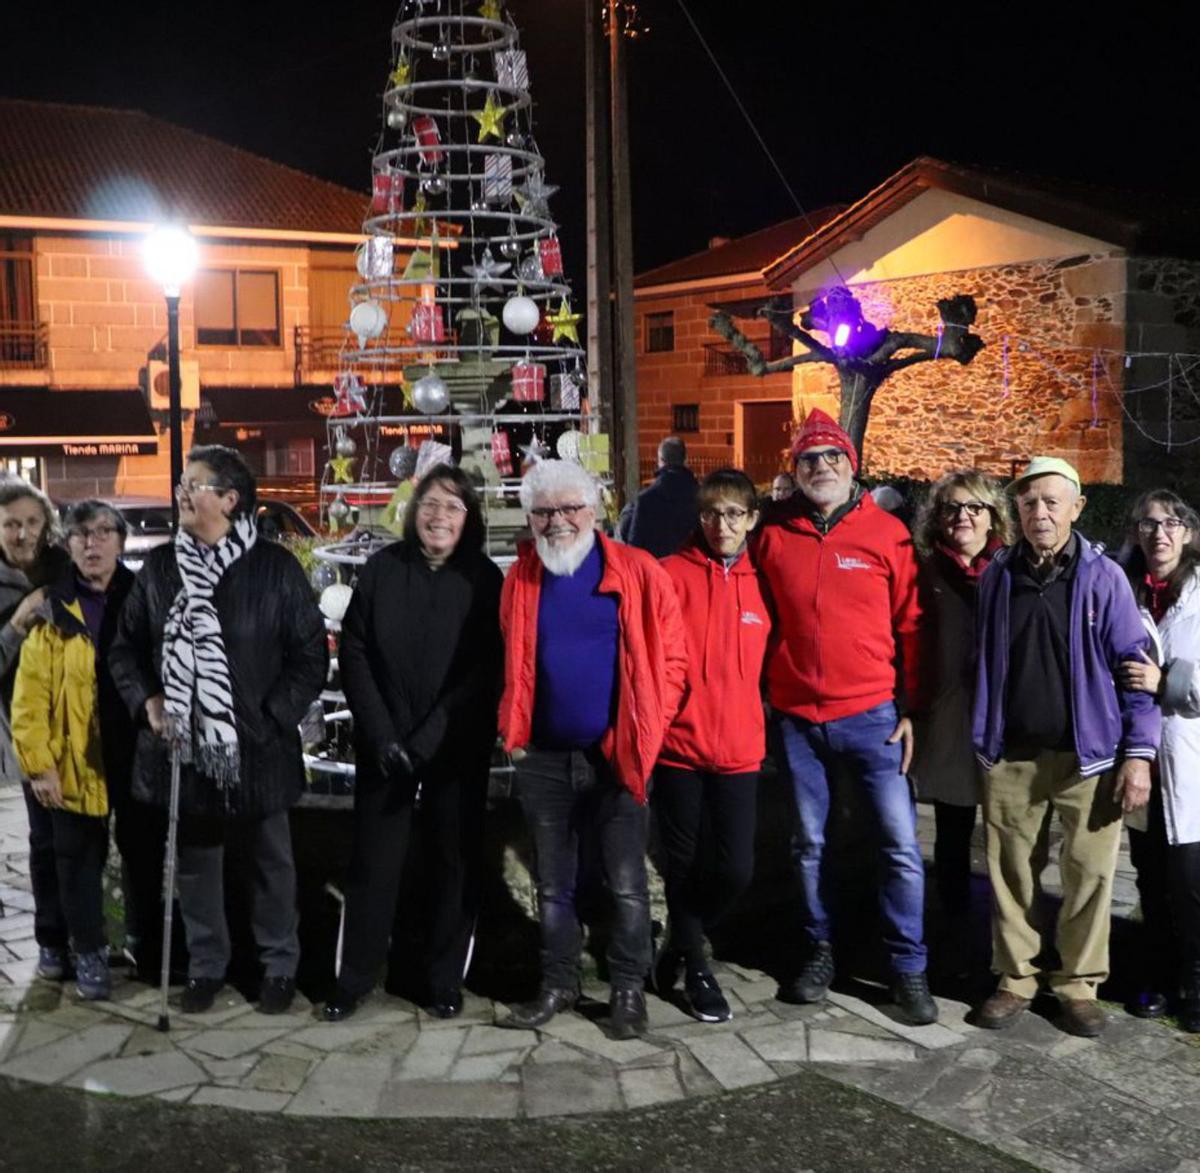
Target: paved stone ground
1130,1100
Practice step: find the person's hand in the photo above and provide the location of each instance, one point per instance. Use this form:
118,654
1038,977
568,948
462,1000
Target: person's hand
1132,789
1142,675
155,716
47,788
395,764
25,616
903,733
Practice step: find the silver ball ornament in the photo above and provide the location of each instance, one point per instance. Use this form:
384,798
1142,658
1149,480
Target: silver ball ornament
530,269
434,185
514,139
430,394
479,205
324,574
397,119
510,249
344,445
403,462
441,51
339,509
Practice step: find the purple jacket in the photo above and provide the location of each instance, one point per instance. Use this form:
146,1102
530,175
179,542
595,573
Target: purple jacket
1109,722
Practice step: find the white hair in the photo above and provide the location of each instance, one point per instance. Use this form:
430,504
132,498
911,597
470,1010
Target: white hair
548,477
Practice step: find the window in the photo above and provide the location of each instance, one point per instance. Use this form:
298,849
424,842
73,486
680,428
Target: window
660,332
685,417
237,307
290,458
18,308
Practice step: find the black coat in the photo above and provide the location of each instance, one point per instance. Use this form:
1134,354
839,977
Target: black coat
422,659
278,658
664,514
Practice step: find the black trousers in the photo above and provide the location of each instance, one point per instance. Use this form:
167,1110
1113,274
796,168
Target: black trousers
706,827
140,831
450,826
952,855
49,920
1168,881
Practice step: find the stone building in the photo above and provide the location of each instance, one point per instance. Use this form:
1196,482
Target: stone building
1089,305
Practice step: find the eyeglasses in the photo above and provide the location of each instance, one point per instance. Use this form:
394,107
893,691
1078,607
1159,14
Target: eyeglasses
101,533
832,457
188,488
545,514
429,507
732,516
1170,525
951,509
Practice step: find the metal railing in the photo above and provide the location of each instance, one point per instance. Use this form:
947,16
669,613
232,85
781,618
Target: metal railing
23,345
724,360
320,348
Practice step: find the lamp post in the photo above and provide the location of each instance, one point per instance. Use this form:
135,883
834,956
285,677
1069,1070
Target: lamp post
171,256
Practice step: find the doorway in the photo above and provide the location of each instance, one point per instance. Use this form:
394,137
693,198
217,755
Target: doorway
762,432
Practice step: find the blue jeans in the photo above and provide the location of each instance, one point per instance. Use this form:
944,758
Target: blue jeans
858,744
566,795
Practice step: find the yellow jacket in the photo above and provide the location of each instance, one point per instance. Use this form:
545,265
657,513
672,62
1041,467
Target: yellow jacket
55,710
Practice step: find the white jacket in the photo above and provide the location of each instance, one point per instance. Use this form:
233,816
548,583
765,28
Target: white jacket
1179,755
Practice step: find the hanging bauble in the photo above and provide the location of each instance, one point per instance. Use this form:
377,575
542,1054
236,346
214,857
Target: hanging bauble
509,248
530,269
368,320
324,574
441,51
403,462
434,185
514,139
397,119
339,510
521,314
430,394
479,205
335,600
343,444
375,257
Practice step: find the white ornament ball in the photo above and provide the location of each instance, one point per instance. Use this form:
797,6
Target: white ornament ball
334,601
403,462
430,395
368,320
521,315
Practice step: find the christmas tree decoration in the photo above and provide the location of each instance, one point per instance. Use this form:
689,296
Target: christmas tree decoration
530,269
403,462
427,323
335,601
430,394
520,314
497,179
430,454
387,193
534,196
512,69
341,469
368,320
323,574
434,185
349,395
490,119
339,510
565,391
429,136
401,74
485,271
374,257
594,452
397,119
502,453
490,9
343,444
565,323
529,382
550,255
567,445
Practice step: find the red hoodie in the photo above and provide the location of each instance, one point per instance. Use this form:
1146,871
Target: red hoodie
720,726
845,611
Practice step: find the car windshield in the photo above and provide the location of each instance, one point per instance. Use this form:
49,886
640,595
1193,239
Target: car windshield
147,519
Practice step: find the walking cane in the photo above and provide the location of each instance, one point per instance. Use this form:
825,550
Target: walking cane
164,1022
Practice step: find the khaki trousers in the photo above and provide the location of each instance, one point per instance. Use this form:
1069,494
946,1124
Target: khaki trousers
1017,798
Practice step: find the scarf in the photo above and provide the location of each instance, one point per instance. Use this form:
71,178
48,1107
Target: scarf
195,671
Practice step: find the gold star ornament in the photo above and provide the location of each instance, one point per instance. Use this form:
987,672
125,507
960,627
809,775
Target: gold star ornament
490,119
565,323
490,9
402,72
341,468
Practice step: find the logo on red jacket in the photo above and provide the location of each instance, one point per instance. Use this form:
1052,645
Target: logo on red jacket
844,563
752,617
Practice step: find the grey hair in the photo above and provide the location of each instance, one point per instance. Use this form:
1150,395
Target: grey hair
14,489
556,476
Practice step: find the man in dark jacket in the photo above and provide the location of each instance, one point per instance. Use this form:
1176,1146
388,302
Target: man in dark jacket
664,514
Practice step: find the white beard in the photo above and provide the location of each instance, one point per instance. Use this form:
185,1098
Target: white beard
566,560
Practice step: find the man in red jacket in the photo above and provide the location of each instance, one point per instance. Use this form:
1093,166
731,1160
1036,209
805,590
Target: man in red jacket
594,673
842,578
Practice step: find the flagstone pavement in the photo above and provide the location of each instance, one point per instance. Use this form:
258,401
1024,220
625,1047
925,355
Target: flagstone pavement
1130,1100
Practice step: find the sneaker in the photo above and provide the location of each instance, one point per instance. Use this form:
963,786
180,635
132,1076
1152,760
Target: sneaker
446,1003
814,980
704,997
276,995
627,1013
92,978
911,994
53,963
199,994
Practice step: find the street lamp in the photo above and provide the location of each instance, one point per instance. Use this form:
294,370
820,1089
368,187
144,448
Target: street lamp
171,255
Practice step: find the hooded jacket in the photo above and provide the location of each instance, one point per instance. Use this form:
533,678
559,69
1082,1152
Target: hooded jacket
651,660
719,727
1105,628
844,608
664,513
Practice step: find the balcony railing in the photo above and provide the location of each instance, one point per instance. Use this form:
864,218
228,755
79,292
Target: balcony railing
724,360
319,348
23,345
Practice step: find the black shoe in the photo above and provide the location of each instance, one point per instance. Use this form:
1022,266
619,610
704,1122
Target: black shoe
1147,1004
446,1004
276,995
664,973
531,1015
814,980
340,1006
199,994
704,997
1189,1014
627,1013
911,994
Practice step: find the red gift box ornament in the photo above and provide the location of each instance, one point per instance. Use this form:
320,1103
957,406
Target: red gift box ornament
387,192
429,139
428,324
349,395
502,454
551,256
529,382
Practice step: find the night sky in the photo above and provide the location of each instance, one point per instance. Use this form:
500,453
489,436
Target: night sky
842,98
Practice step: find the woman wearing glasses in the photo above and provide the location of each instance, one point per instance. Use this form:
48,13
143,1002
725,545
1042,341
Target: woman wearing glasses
1164,570
421,661
965,519
73,735
221,649
707,772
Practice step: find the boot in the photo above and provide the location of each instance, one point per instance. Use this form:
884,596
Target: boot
814,980
531,1015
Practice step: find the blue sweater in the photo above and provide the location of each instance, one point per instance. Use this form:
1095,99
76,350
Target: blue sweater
575,695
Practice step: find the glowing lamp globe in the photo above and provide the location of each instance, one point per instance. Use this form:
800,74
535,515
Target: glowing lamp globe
171,257
841,335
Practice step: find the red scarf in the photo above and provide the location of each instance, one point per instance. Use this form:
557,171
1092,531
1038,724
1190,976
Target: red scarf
1156,596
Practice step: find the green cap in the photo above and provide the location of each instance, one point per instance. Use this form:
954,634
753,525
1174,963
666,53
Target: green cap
1041,466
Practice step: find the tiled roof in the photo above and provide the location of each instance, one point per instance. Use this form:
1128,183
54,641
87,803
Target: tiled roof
745,254
89,163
